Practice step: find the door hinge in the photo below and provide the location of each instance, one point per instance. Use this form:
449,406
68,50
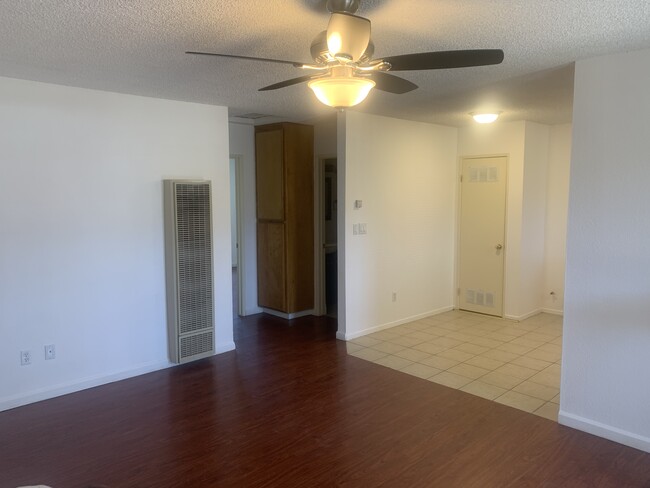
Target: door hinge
458,291
461,178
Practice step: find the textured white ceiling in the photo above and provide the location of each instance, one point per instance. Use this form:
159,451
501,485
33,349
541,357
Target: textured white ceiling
137,47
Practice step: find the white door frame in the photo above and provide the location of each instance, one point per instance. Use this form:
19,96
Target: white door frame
459,172
241,275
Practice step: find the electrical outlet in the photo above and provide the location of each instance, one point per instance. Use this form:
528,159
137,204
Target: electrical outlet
25,358
50,352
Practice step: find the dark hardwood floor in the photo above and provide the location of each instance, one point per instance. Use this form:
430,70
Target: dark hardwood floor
291,408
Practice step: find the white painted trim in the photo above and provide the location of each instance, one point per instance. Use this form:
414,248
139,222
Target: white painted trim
348,337
289,316
93,381
341,236
319,267
458,210
74,386
456,289
252,311
603,430
520,318
553,311
239,205
222,347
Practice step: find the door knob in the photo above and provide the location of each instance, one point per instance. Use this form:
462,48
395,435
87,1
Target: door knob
499,247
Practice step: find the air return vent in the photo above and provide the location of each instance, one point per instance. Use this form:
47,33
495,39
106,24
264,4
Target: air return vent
188,252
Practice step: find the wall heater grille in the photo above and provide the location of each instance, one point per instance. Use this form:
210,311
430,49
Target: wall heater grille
188,244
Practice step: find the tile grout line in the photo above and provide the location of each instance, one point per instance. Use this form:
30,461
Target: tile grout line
457,329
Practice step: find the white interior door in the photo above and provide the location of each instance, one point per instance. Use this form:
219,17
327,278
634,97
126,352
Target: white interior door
482,235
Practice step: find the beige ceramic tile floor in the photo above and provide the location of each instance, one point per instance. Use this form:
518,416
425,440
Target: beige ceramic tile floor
513,363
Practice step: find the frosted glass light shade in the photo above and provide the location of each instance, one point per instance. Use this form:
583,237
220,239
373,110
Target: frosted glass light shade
347,36
485,118
341,92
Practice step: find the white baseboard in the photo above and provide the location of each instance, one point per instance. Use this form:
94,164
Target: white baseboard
519,318
348,337
289,316
525,316
252,311
221,347
606,431
92,381
553,311
83,384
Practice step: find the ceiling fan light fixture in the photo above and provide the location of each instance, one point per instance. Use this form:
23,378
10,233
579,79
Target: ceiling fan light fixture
485,118
341,91
348,36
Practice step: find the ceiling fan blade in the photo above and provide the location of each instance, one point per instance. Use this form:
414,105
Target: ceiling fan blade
391,83
445,59
266,60
293,81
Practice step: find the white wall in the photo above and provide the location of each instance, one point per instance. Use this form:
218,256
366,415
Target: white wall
342,224
405,174
325,136
557,202
606,360
81,213
242,143
538,164
233,211
533,219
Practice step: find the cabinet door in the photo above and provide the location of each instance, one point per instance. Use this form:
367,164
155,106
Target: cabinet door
271,266
270,175
299,196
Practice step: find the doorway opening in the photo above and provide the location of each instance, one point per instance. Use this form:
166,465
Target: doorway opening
235,232
328,259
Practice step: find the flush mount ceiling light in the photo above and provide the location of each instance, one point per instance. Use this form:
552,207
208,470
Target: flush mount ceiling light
341,89
485,118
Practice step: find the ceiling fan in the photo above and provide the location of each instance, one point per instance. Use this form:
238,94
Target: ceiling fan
344,72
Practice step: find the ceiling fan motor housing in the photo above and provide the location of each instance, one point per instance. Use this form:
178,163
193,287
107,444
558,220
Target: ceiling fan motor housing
346,6
347,36
320,51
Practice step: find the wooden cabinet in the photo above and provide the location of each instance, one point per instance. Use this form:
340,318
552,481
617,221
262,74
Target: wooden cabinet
284,156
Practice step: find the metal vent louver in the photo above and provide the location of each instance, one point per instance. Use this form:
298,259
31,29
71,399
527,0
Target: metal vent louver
188,243
196,344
